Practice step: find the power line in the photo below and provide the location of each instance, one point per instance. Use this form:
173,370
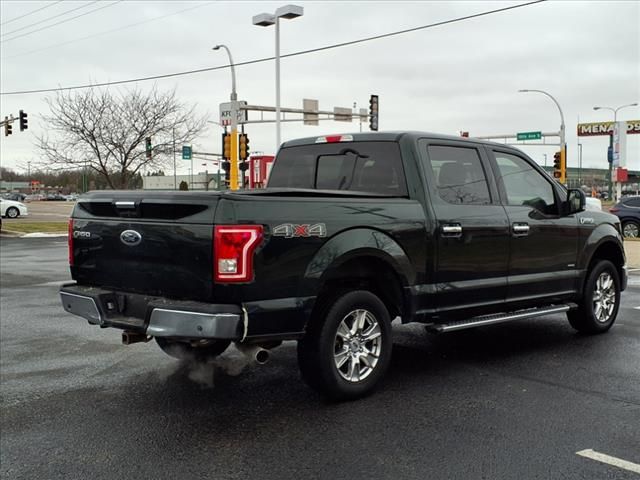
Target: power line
63,21
109,31
266,59
48,18
31,12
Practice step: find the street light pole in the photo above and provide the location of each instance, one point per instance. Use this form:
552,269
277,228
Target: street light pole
615,120
233,171
265,20
563,144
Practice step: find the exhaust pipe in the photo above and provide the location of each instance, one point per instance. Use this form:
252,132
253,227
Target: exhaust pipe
129,337
255,353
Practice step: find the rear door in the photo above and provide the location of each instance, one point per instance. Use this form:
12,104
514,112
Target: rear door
543,244
472,233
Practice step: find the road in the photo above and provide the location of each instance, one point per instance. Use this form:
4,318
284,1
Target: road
510,401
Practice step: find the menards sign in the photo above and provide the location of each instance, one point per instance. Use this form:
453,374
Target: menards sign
605,128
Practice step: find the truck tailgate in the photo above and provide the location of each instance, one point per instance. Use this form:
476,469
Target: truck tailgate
159,244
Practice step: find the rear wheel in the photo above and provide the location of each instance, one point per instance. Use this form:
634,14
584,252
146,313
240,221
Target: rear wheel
600,300
12,212
347,348
631,229
197,351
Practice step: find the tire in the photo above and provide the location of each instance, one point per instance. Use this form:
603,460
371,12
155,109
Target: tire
202,352
12,212
631,229
347,348
598,308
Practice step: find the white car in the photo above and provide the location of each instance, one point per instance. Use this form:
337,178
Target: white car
11,209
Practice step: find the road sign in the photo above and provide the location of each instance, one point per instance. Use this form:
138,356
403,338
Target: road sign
186,152
310,105
529,135
341,114
225,112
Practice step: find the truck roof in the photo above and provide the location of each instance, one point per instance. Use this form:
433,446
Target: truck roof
390,136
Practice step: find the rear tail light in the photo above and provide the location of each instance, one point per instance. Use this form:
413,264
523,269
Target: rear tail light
233,249
70,241
614,210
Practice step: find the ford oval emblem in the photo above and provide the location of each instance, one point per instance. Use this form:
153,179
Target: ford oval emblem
130,238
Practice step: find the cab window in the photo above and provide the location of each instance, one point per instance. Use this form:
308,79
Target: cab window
459,175
524,185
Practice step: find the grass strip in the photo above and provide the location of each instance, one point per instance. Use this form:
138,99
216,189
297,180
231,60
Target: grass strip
16,226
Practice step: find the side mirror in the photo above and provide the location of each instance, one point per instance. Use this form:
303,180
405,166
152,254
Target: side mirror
576,201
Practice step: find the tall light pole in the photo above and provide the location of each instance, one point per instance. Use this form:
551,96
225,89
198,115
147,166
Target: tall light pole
563,143
266,20
615,120
233,170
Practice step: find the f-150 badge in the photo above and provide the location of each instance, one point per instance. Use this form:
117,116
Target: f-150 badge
292,230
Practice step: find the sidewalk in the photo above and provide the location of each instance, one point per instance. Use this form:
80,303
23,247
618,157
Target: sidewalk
632,249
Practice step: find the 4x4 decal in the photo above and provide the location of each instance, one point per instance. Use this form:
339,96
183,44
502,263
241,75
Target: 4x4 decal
292,230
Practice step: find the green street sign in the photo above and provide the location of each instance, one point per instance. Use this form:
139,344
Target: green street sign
186,152
529,135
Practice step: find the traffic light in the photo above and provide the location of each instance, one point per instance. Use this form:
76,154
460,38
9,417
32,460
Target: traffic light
148,147
8,129
244,166
557,165
243,142
560,167
226,147
373,113
23,121
226,166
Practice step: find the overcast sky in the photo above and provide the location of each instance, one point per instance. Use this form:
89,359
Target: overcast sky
461,76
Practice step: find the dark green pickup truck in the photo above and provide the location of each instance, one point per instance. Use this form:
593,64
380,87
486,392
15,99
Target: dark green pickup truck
353,231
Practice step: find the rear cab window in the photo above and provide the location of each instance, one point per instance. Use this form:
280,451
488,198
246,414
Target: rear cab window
370,167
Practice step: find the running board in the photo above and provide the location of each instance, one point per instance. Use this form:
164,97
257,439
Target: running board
497,318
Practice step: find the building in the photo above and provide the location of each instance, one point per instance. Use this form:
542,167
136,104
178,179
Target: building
199,181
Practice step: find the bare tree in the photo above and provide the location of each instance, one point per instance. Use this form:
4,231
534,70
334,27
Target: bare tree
107,132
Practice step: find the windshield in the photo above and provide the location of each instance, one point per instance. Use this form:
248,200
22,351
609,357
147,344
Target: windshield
374,167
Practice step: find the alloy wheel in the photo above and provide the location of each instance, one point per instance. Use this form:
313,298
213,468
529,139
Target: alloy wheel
357,345
630,230
604,297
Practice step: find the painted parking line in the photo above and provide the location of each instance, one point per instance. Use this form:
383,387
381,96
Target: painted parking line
609,460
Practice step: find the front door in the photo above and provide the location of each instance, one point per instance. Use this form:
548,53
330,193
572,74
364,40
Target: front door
472,230
544,245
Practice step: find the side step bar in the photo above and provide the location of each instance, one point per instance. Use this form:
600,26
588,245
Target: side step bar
498,318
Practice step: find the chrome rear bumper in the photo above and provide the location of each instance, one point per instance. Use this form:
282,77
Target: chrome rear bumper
155,316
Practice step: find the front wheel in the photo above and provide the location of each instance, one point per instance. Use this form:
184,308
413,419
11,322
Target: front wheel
200,351
347,348
12,212
598,309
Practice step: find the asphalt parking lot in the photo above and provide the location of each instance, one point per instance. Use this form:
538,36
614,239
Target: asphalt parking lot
43,211
516,400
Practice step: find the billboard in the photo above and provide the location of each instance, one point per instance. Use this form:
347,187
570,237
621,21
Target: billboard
605,128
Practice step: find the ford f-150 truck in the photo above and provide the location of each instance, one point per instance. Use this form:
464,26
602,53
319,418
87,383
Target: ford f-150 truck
353,231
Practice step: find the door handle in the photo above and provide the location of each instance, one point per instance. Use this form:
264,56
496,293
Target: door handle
520,229
452,230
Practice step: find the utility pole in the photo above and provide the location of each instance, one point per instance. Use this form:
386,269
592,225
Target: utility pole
175,175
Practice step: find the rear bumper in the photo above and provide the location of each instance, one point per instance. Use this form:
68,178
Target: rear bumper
155,316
